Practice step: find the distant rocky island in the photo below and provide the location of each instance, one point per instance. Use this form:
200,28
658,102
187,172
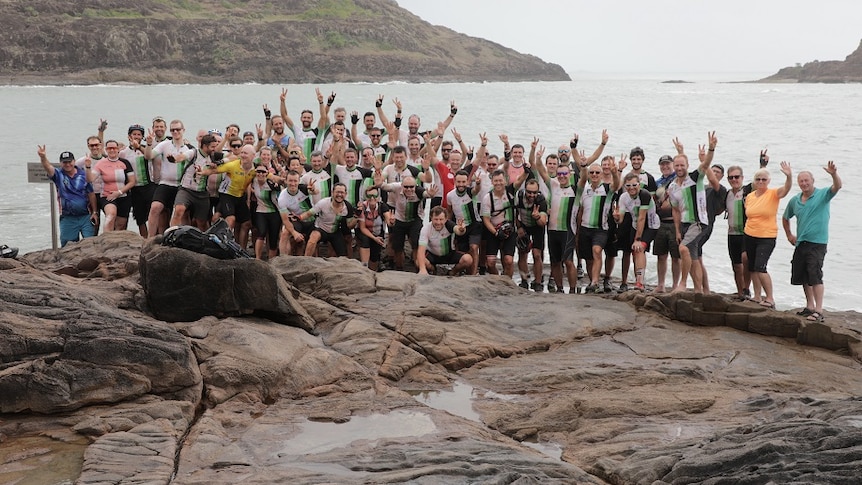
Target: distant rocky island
847,71
241,41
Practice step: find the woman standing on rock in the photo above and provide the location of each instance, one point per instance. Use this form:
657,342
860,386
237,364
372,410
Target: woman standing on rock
761,229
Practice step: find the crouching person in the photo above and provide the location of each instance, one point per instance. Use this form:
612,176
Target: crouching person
436,243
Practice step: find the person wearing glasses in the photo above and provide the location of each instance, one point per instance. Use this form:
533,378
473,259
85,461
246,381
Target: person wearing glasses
811,209
561,219
462,205
266,218
761,230
95,152
646,181
687,195
407,200
374,217
531,221
170,155
636,202
330,213
79,212
142,192
118,179
595,197
734,212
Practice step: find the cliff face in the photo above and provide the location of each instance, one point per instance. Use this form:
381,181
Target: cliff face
847,71
235,41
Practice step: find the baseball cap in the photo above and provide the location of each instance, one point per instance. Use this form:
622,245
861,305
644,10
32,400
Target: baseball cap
137,128
665,159
67,157
247,133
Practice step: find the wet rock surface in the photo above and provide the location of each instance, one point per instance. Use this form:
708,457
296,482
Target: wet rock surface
406,379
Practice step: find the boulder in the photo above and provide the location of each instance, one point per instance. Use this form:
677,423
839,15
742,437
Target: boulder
183,286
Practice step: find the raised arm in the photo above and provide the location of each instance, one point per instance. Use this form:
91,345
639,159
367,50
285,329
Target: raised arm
323,120
788,180
461,144
705,157
453,110
832,170
354,135
597,153
380,114
283,110
43,158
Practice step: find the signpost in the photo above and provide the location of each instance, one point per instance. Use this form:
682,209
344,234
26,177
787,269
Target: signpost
36,175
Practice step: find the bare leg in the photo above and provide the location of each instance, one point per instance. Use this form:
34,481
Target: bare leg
661,272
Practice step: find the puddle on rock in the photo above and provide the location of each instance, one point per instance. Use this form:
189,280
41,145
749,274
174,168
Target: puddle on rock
552,450
316,437
458,401
39,459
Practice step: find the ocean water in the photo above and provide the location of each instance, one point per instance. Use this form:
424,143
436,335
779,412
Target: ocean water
805,125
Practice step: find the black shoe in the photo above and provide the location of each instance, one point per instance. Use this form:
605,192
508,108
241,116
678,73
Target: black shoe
552,286
537,287
7,252
607,287
805,312
525,284
483,270
623,288
591,288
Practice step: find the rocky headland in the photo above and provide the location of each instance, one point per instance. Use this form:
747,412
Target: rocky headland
847,71
128,362
243,41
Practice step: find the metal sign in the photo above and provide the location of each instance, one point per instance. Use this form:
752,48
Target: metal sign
36,173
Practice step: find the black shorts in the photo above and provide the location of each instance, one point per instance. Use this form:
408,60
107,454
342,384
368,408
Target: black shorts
758,249
197,203
142,199
561,246
268,225
505,246
166,194
454,257
303,227
335,239
806,268
647,238
401,230
735,247
123,204
229,205
589,237
665,241
537,236
366,242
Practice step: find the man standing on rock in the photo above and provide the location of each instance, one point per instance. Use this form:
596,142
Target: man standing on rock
690,216
79,213
330,213
811,209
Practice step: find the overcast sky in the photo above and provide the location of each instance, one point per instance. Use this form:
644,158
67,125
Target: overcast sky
658,36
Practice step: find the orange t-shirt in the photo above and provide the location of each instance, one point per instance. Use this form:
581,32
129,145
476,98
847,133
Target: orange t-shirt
762,212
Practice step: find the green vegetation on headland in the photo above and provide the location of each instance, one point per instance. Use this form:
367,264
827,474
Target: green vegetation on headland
237,41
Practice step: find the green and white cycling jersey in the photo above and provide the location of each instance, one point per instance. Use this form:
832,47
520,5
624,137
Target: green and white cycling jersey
643,201
438,243
462,205
596,204
563,206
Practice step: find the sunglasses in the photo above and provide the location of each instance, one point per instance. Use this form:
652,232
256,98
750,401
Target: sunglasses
260,172
563,151
236,146
562,174
761,179
445,149
176,129
594,172
374,136
734,177
112,148
372,196
531,192
632,185
94,145
408,187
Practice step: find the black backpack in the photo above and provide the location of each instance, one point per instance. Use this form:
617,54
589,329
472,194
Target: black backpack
217,241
